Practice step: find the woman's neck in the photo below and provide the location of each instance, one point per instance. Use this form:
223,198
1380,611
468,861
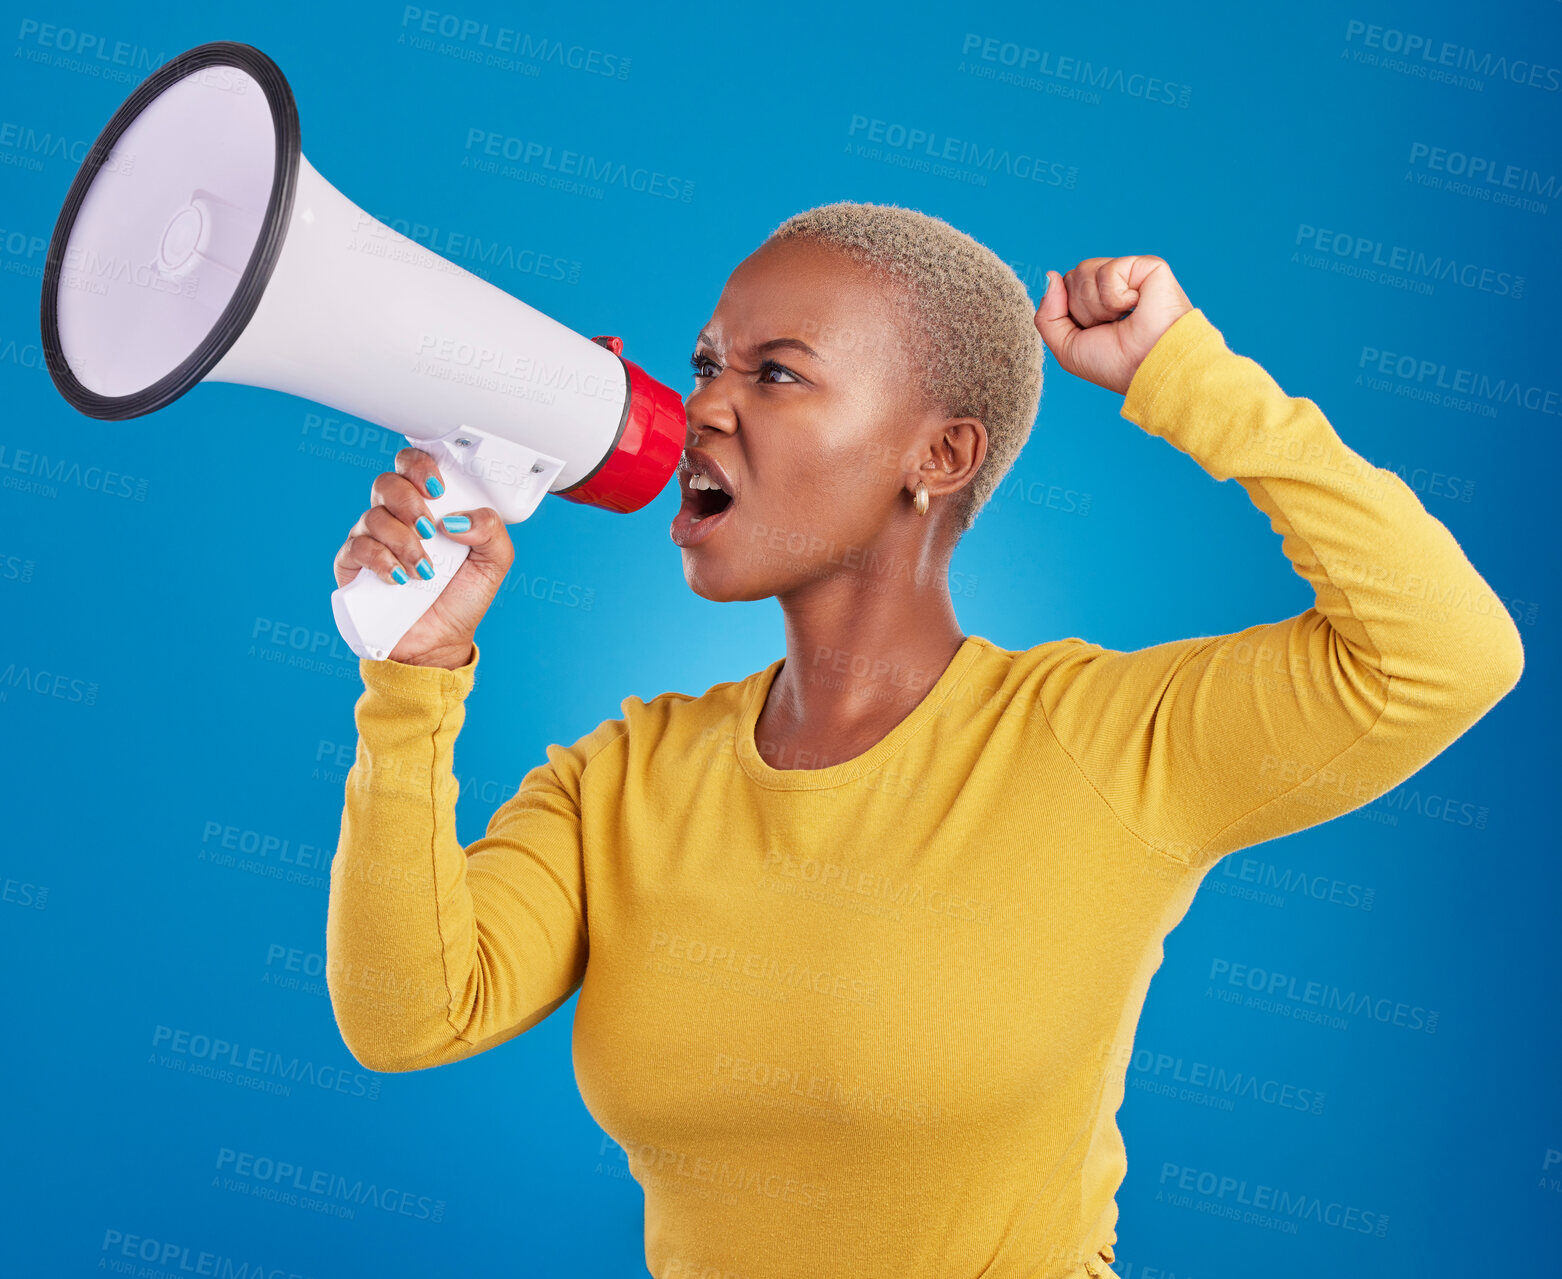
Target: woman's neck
860,656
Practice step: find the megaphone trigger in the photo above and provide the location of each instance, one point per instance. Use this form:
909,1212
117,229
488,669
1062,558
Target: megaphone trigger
496,471
479,469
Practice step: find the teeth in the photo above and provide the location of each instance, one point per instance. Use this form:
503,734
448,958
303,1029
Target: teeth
698,481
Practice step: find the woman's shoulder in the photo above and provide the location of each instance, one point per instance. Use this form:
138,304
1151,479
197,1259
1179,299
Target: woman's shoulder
1036,661
674,717
718,699
1012,679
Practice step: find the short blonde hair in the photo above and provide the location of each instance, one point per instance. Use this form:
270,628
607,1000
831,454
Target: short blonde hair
976,349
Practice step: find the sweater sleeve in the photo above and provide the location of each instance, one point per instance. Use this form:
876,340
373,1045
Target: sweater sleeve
435,952
1204,746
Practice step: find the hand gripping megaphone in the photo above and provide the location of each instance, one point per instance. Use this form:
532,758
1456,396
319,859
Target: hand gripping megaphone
197,244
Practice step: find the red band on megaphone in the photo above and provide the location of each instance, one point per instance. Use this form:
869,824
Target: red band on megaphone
648,450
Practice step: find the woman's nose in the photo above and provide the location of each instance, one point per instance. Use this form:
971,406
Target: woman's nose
708,406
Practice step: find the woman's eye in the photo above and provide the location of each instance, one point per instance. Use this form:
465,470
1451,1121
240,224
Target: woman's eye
699,362
770,366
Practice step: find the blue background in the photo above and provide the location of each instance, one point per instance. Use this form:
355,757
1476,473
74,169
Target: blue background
151,690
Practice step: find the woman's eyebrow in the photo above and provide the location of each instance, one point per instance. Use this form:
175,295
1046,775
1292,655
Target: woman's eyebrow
795,343
774,344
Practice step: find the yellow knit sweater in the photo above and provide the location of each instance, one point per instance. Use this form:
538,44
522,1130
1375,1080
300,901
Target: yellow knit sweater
875,1019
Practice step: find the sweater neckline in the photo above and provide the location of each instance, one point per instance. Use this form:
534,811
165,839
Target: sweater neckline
847,770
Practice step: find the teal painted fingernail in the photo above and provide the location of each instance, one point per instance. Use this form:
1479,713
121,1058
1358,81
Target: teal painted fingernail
434,487
400,574
425,570
456,523
424,527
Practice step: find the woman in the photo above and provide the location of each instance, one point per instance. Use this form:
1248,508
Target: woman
861,940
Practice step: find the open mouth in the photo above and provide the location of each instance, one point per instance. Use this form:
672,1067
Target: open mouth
703,506
705,497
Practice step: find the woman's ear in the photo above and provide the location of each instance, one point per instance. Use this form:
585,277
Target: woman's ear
954,456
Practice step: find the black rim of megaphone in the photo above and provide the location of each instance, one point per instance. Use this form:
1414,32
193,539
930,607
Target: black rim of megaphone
257,274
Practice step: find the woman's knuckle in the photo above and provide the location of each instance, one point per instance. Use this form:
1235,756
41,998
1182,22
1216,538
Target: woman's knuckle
385,487
380,522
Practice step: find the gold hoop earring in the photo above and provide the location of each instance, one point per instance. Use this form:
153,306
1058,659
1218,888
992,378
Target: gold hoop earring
921,498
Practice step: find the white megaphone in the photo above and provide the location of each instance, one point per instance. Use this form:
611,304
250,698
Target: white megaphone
197,244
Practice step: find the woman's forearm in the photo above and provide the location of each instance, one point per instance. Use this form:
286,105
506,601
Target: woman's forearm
1206,745
434,951
399,921
1396,589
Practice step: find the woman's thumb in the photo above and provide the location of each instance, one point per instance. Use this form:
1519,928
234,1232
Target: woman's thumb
483,531
1053,322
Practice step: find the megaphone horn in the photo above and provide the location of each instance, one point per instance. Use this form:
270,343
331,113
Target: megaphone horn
197,244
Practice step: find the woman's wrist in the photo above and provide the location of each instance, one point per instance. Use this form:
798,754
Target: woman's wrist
450,659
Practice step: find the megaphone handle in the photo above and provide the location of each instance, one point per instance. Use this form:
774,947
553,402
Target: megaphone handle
373,614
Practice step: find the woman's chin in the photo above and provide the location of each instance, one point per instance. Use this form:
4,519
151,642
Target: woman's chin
708,579
707,585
